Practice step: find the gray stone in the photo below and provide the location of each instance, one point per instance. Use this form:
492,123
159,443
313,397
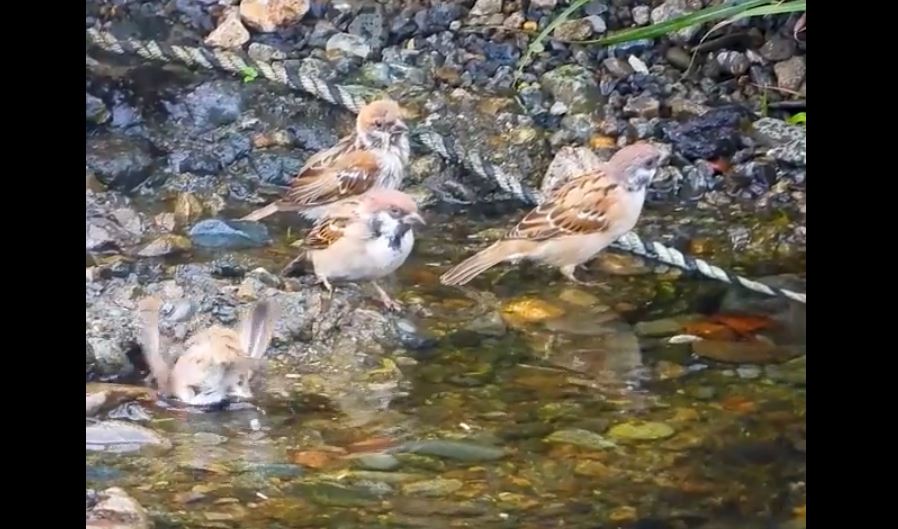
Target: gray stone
119,162
790,73
115,509
641,15
644,106
733,62
778,48
486,7
213,104
573,30
96,111
671,9
574,86
349,44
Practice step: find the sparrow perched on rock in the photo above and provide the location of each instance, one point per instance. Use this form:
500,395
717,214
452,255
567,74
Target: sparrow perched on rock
576,221
218,362
374,156
363,239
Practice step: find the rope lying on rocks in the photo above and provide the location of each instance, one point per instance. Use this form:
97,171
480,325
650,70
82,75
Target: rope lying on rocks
354,97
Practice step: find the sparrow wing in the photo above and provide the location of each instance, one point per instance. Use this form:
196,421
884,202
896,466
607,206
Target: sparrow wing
351,175
325,233
323,159
584,205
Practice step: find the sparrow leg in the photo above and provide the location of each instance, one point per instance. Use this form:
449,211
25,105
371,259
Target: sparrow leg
389,303
327,285
568,272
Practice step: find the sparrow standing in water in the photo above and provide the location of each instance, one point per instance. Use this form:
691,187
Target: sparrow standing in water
374,156
363,239
576,221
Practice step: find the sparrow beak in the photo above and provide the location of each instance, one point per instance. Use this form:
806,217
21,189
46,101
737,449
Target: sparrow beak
414,218
399,127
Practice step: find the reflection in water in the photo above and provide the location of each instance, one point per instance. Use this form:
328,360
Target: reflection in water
600,423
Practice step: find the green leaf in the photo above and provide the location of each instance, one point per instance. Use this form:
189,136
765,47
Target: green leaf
249,74
798,119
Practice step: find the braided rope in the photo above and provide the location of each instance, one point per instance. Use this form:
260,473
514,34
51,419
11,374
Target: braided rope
354,97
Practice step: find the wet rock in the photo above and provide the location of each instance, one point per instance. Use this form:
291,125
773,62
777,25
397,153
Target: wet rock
486,7
790,73
581,438
377,462
272,470
757,352
166,245
229,234
96,111
543,4
641,431
432,488
349,44
713,134
594,469
268,16
115,509
330,495
733,62
748,372
230,33
792,372
671,9
212,104
119,162
457,450
428,507
490,324
621,264
778,48
529,310
662,327
119,437
574,86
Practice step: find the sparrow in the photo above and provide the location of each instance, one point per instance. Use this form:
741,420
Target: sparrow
375,155
218,362
363,239
576,221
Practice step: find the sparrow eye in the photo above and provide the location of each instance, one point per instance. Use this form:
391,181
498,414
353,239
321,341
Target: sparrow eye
394,211
379,123
650,163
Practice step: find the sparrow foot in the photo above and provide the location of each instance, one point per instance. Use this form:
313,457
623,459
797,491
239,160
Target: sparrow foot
388,302
568,272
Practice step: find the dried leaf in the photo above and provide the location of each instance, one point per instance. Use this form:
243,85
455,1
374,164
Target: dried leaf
743,324
710,330
315,459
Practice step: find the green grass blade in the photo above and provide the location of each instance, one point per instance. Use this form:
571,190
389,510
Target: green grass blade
537,45
663,28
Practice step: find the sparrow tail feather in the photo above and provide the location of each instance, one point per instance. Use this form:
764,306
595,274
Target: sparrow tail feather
482,261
